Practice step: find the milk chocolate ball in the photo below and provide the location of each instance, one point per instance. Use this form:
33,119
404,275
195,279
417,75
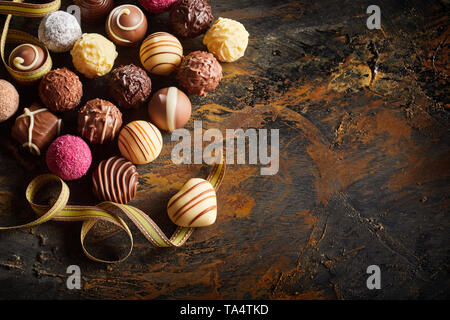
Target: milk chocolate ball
169,109
26,57
94,11
126,25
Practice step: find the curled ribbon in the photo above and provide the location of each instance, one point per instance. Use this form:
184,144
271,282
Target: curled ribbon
17,8
90,215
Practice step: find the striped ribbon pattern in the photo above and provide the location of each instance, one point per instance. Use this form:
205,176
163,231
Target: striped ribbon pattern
17,8
106,211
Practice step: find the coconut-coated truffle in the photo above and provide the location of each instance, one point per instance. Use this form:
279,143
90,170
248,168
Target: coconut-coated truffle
69,157
9,100
59,30
60,90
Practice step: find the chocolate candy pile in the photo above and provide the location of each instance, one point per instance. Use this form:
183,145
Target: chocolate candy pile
99,121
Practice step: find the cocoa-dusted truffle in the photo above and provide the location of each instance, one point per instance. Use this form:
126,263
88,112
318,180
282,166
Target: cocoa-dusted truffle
99,121
169,109
191,18
60,90
9,100
36,128
199,73
129,86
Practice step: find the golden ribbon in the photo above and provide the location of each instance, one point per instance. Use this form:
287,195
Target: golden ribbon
17,8
104,211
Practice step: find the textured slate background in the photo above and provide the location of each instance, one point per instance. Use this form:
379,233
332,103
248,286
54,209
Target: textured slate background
364,168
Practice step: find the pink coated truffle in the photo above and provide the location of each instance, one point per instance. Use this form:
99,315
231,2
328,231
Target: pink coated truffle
157,6
69,157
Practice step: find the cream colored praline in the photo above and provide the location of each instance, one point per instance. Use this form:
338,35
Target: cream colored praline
93,55
195,205
227,39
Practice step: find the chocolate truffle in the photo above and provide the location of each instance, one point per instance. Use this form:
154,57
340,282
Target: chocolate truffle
157,6
60,90
195,205
93,55
59,30
191,18
116,180
129,86
69,157
199,73
94,11
36,128
99,121
227,39
26,57
161,53
126,25
169,109
9,100
140,142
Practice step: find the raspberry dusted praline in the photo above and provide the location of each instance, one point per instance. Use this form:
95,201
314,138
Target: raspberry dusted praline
69,157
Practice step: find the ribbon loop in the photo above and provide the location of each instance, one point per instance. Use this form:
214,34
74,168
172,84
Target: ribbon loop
105,211
17,8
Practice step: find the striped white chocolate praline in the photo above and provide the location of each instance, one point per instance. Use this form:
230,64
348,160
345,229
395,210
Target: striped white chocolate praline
195,205
116,180
140,142
161,53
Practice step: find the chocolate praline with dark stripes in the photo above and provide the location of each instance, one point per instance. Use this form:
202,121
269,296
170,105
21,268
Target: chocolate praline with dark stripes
161,53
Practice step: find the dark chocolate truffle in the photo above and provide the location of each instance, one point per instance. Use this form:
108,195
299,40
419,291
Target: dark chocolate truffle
36,128
116,180
129,86
169,109
26,57
199,73
60,90
191,18
99,121
94,11
126,25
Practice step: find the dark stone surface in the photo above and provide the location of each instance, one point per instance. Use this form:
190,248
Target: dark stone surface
364,167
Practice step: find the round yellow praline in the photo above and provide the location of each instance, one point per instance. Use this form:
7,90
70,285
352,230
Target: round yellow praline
93,55
227,39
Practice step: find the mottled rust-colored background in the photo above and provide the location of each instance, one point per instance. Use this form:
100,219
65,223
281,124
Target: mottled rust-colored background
364,168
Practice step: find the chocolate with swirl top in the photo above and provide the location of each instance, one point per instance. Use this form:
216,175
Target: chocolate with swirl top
26,57
116,180
94,11
126,25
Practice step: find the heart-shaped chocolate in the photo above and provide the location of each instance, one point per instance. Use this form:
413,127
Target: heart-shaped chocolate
195,205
